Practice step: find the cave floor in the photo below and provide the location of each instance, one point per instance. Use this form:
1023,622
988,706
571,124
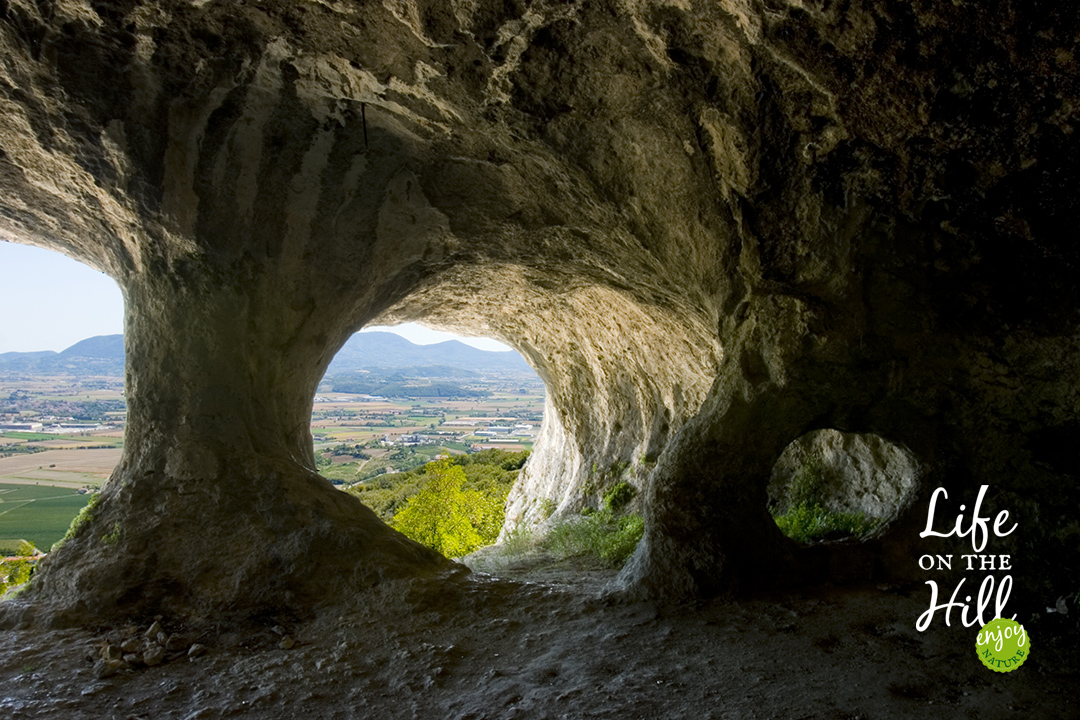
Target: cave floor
548,644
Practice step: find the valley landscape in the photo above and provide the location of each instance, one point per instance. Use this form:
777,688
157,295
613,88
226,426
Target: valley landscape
385,406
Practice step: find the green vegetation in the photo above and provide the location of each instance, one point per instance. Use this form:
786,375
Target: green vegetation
14,573
10,546
547,508
443,515
607,534
806,523
83,518
41,437
619,495
401,460
113,537
454,505
10,449
399,385
39,513
354,451
29,436
803,517
604,535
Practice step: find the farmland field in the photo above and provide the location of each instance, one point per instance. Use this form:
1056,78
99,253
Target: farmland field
70,467
38,513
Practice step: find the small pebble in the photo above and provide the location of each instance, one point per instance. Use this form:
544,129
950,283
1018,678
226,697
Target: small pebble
196,650
287,642
152,632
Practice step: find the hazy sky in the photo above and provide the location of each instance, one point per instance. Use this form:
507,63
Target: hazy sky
50,302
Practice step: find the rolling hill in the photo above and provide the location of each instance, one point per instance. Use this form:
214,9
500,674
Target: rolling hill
104,355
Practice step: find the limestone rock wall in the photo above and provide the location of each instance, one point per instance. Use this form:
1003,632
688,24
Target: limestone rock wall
711,227
857,472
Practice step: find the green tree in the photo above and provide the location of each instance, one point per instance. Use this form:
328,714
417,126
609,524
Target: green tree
443,513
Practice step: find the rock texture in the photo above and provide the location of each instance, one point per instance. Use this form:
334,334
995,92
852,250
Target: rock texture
858,472
711,227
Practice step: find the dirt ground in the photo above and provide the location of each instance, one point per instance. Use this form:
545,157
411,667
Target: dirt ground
545,641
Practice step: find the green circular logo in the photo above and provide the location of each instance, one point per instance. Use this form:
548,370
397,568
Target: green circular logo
1003,645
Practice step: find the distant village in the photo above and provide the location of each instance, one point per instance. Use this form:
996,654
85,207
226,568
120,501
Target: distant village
51,425
479,433
494,435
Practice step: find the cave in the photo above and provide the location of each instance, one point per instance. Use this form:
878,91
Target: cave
710,228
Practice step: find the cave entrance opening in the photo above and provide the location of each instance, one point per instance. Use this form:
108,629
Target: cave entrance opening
832,485
63,408
428,429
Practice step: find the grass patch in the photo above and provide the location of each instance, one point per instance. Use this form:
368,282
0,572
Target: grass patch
809,522
803,517
11,546
603,534
608,535
97,440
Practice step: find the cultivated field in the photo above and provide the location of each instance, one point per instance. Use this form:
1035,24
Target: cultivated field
64,468
38,513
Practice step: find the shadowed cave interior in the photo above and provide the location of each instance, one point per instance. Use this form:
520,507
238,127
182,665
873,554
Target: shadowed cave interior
711,229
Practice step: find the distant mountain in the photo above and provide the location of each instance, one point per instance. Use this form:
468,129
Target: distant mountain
107,347
104,355
101,355
387,350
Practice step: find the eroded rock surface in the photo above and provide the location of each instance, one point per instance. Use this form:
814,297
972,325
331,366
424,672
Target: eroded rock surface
853,472
710,227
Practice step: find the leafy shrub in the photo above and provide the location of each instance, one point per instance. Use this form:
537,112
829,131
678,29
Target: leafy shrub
619,495
808,485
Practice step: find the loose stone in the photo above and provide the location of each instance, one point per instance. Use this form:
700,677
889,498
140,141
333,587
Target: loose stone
153,655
